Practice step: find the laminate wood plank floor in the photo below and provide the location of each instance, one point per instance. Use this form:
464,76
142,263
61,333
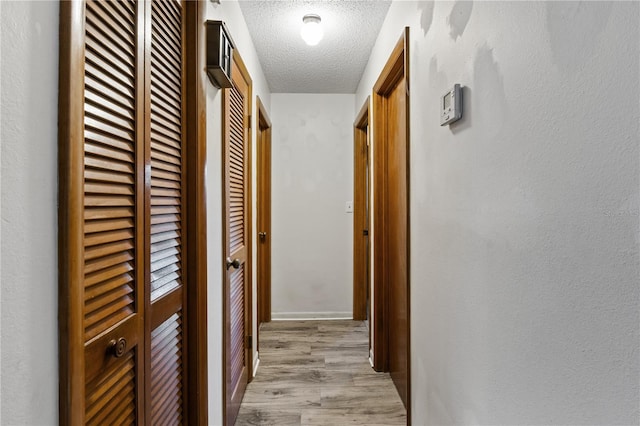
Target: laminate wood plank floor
318,373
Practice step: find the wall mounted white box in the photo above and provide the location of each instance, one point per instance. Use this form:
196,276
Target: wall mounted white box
451,106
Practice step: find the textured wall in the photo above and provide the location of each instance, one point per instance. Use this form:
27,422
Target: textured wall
230,13
312,163
524,215
29,110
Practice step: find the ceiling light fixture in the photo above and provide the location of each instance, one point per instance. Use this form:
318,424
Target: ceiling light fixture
311,31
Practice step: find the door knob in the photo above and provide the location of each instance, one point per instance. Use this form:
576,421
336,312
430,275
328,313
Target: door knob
117,348
233,262
262,235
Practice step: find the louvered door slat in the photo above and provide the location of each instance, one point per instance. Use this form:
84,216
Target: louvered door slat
237,323
115,388
167,176
167,51
165,77
158,155
103,43
110,60
164,245
102,126
114,153
122,9
99,136
170,16
122,76
166,371
104,61
113,23
107,261
114,34
105,274
118,80
236,163
164,87
166,127
118,11
162,104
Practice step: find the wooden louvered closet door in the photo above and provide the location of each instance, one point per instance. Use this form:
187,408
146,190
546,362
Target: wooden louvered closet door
123,241
236,101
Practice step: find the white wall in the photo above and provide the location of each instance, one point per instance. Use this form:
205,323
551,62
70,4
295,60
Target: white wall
230,13
312,179
29,113
524,215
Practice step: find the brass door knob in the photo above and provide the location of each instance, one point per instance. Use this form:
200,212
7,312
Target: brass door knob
233,262
262,235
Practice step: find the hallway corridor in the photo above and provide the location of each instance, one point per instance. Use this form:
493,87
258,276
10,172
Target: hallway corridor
317,373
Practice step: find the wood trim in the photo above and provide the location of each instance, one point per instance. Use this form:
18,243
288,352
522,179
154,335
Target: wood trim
360,216
263,118
70,220
380,332
225,324
362,119
263,199
144,190
407,82
195,81
392,72
169,302
396,68
249,284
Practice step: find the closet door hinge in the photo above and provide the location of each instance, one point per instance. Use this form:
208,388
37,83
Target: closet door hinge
249,342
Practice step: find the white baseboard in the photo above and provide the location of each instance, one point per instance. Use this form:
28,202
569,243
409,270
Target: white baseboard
256,363
293,316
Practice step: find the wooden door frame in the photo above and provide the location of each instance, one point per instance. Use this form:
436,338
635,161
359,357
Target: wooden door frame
71,202
395,69
196,132
361,214
263,140
248,285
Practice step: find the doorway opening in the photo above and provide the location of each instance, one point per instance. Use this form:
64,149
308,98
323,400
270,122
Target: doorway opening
263,140
361,219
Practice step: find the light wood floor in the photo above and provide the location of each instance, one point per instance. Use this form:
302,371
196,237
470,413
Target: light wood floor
318,373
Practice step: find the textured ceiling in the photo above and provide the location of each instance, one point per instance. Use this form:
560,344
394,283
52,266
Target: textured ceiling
336,64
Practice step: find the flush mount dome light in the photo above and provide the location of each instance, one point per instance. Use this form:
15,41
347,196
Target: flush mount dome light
311,31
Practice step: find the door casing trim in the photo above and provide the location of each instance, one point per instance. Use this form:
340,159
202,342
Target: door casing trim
361,217
263,290
196,108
